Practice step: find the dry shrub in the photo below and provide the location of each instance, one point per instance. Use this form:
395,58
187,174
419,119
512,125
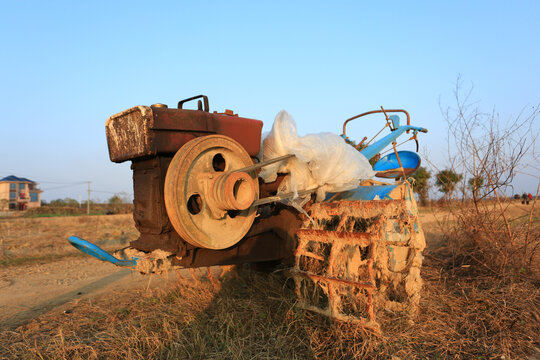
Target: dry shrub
54,210
95,209
479,235
486,228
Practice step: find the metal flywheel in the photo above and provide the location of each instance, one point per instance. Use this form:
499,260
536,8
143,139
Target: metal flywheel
209,202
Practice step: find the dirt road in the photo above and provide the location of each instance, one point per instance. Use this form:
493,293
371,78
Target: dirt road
29,291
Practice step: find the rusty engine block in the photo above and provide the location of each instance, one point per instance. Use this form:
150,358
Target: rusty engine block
150,137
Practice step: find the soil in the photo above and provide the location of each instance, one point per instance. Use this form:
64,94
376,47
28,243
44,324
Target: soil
29,291
52,274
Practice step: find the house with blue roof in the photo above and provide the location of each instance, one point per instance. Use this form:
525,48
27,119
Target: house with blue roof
18,193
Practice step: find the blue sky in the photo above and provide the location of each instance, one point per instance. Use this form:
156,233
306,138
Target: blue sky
67,66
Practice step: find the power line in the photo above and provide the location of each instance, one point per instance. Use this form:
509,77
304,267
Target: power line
63,187
70,184
66,183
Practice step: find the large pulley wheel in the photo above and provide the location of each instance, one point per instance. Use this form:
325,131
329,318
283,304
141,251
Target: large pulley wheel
208,202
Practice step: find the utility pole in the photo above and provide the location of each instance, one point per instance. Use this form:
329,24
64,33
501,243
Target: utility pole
88,202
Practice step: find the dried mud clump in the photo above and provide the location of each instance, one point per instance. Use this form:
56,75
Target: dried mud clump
157,261
359,259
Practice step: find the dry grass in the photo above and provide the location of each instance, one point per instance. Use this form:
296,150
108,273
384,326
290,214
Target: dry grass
465,313
24,240
253,316
243,319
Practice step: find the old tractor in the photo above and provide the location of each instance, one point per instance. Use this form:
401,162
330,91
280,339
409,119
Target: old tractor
199,201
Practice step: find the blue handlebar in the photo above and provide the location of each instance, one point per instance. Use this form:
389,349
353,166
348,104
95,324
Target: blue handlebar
379,145
91,249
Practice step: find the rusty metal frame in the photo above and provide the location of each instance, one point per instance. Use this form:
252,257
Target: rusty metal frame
383,111
332,281
350,249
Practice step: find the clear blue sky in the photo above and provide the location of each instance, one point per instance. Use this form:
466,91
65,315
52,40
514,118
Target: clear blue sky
67,66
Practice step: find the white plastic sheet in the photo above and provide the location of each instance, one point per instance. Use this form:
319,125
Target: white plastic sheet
322,161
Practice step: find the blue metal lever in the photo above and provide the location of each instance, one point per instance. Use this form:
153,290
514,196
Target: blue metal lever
377,147
97,252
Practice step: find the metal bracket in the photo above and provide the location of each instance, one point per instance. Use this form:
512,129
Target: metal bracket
205,99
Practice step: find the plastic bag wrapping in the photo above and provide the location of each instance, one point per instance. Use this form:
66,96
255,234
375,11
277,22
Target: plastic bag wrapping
322,161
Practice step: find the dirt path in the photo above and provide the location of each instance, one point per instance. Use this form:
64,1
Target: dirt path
39,284
29,291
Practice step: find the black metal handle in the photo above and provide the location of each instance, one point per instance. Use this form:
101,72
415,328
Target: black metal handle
205,99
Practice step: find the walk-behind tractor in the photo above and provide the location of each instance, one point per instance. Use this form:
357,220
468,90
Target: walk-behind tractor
208,192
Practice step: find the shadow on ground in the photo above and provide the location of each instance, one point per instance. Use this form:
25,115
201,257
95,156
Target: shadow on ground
253,315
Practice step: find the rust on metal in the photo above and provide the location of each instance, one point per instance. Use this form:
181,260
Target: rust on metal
367,285
205,99
362,208
195,197
360,258
143,131
376,112
234,191
331,236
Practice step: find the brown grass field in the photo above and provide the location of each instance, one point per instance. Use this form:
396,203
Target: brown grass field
466,312
26,240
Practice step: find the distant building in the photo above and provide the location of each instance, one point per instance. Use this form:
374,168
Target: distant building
18,193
